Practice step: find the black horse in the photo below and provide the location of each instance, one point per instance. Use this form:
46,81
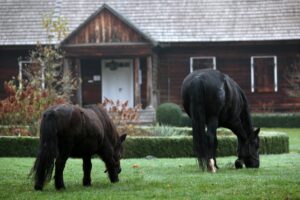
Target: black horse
212,100
70,131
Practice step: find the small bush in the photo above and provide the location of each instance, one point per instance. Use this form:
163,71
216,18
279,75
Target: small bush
123,116
168,114
185,120
120,113
25,106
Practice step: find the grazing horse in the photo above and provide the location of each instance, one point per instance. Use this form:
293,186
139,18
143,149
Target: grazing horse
212,100
71,131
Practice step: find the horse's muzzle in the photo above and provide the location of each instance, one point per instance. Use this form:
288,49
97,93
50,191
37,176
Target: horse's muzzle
119,170
251,163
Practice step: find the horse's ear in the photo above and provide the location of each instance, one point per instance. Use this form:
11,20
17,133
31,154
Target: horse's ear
256,131
123,137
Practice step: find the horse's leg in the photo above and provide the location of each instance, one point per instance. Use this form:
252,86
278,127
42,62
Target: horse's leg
87,167
215,152
239,162
59,168
212,126
241,136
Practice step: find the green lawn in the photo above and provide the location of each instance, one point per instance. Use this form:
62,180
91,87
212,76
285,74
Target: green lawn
278,178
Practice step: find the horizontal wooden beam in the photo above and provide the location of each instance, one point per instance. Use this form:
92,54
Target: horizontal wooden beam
108,44
113,51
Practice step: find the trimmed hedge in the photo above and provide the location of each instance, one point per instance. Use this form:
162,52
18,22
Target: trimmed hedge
18,146
267,120
280,120
168,114
171,147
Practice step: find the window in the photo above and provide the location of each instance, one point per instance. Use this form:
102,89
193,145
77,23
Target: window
202,63
26,68
264,74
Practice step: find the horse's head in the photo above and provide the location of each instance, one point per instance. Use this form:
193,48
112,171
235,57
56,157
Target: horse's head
118,151
249,151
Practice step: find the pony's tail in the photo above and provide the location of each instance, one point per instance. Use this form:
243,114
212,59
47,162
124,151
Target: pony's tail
198,122
44,163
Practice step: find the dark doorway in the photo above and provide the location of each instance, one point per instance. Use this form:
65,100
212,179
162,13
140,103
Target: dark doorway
91,81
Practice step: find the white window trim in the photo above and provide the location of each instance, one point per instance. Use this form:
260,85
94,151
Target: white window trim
21,63
275,72
203,57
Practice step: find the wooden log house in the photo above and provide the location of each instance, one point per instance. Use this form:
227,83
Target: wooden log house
141,51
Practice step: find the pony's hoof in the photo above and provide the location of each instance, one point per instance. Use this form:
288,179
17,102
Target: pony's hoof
86,183
38,187
60,187
238,164
114,180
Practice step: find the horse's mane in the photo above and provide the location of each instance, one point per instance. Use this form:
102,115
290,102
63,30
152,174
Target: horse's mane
110,129
245,115
233,88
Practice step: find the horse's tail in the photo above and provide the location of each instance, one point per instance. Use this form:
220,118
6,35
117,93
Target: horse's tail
44,163
197,112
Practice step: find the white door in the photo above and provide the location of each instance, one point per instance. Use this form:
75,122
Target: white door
117,80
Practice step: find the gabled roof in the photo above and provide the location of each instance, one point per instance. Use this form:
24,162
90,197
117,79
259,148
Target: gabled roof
161,20
119,16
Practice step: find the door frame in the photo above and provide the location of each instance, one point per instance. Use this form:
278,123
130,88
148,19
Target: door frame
104,61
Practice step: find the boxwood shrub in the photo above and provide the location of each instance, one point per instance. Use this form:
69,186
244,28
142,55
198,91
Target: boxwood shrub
171,147
168,114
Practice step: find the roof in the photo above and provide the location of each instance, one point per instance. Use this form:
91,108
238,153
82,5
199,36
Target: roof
161,20
111,10
21,21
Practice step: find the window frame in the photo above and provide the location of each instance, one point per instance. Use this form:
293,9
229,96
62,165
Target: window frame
203,57
275,71
21,63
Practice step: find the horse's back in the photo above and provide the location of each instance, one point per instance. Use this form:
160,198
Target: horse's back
204,88
221,96
78,128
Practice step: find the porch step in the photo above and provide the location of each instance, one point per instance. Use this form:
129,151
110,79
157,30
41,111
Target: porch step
147,116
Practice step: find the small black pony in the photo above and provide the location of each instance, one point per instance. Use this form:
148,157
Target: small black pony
70,131
213,99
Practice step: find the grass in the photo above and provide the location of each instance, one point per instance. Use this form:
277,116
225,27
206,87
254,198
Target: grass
278,178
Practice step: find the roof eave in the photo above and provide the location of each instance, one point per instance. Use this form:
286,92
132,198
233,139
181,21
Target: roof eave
114,12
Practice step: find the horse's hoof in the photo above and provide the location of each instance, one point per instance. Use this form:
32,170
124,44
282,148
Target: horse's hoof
238,164
211,166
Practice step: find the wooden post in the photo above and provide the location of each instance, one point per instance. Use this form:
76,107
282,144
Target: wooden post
137,90
149,82
79,79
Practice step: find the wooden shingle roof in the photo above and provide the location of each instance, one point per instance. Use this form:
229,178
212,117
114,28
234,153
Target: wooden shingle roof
21,21
162,20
